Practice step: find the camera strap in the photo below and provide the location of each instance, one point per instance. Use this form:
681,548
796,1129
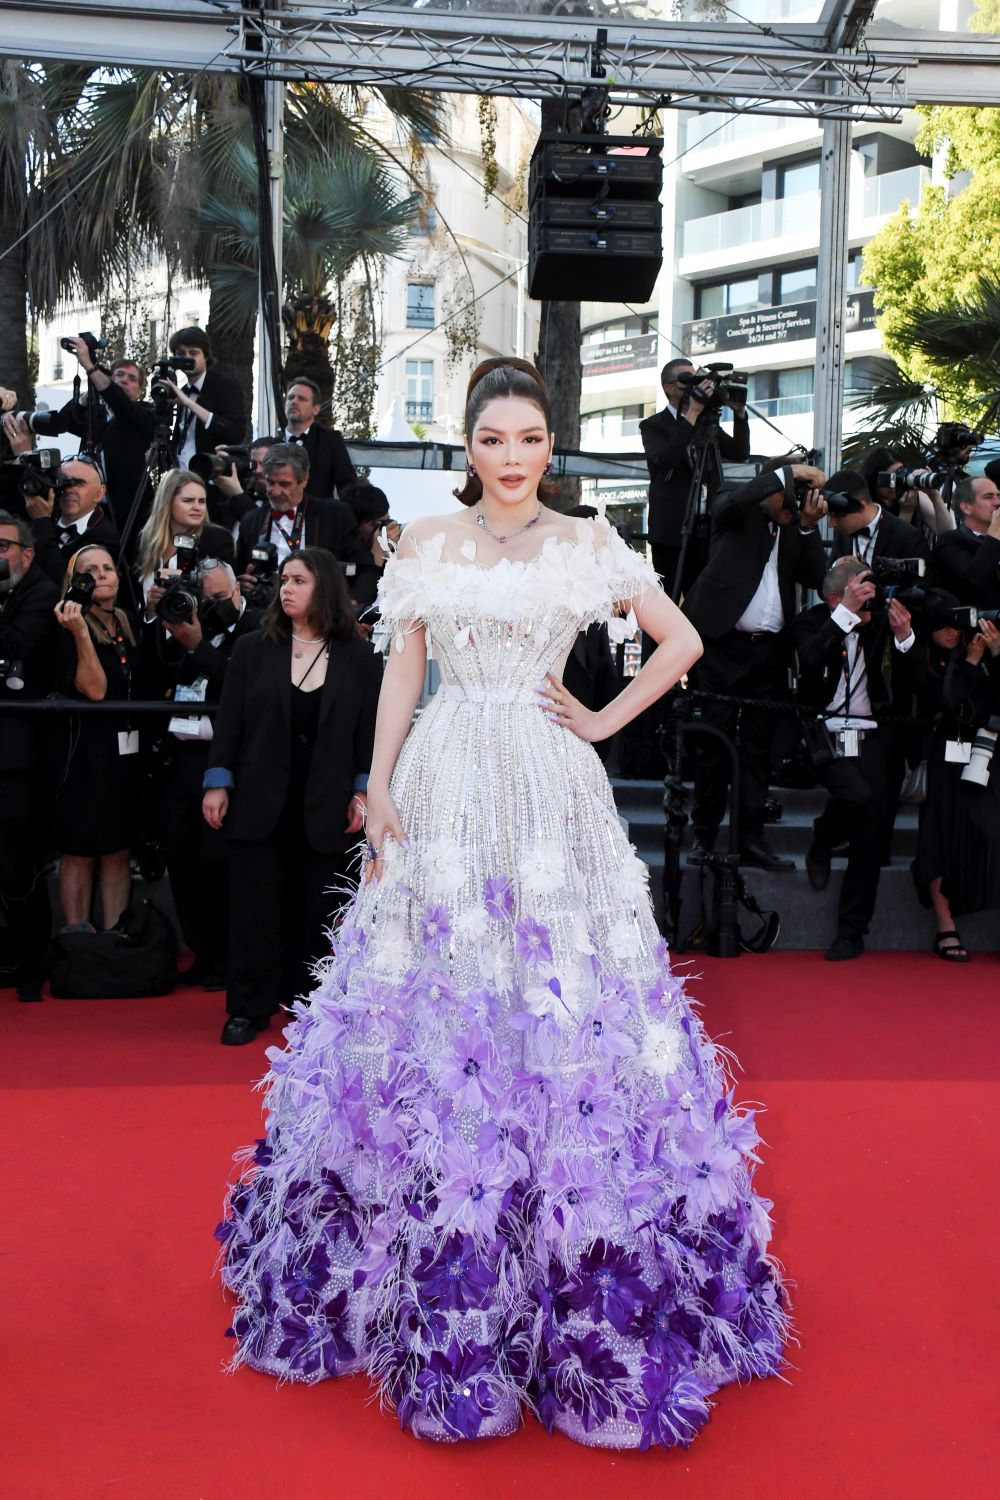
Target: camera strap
293,537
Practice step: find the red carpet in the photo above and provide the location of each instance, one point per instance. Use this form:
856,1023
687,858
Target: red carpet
880,1079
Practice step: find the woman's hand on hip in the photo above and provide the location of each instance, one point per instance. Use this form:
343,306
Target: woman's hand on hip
381,823
562,708
214,806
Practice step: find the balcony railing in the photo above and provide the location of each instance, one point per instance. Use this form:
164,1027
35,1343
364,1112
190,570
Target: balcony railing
759,221
420,411
783,406
884,195
719,129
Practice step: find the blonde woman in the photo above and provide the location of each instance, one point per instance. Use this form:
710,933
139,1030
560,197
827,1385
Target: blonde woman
180,508
97,796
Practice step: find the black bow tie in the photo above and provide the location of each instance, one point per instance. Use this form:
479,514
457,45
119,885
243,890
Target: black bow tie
297,437
67,535
863,531
190,390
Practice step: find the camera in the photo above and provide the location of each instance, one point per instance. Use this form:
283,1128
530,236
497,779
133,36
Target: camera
40,476
895,578
731,391
953,439
91,340
181,597
264,562
977,772
898,481
209,466
180,364
80,590
12,674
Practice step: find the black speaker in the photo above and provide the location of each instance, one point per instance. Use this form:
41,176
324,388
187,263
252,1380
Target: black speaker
595,222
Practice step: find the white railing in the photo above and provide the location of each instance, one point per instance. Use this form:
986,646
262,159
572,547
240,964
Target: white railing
745,226
884,195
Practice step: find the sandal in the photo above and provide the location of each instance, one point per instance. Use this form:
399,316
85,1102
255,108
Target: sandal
952,953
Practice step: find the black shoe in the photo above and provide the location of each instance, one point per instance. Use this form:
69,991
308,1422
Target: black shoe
818,866
760,856
845,945
239,1030
774,810
213,979
29,990
700,851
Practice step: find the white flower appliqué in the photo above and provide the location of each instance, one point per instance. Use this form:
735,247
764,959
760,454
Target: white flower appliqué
444,867
543,869
662,1048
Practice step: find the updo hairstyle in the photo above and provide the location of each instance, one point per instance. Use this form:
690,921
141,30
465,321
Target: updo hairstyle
504,377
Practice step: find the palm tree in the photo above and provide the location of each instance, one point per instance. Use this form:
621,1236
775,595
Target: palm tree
960,343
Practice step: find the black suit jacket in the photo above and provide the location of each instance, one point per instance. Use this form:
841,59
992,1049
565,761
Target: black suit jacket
330,524
221,395
894,538
28,633
330,467
52,559
819,651
666,440
969,567
252,737
741,546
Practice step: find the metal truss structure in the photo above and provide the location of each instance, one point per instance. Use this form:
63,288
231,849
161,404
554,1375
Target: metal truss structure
830,69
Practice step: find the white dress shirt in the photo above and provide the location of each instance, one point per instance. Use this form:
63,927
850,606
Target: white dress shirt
187,452
856,674
764,611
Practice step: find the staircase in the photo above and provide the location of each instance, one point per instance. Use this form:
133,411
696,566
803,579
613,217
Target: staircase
808,917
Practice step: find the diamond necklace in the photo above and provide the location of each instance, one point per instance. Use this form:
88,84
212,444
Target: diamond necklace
481,519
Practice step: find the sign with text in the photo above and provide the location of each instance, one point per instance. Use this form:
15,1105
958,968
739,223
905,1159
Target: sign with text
770,325
637,352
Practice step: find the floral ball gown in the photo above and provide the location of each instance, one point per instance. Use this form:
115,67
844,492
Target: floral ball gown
503,1167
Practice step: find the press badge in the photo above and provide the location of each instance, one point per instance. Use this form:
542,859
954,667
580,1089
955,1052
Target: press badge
958,751
128,742
848,739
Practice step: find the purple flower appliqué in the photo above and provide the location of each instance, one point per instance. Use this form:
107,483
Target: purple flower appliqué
455,1275
609,1284
675,1405
588,1378
317,1342
456,1386
433,987
708,1173
498,898
572,1190
592,1105
470,1070
659,1323
471,1191
435,928
532,941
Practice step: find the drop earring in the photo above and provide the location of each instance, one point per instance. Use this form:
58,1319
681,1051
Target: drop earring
548,469
470,469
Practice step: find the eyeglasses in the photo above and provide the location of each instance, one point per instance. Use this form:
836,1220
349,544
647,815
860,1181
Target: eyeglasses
6,543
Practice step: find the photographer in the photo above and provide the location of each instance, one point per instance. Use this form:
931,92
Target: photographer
97,798
127,434
293,518
967,560
909,494
234,476
71,515
27,641
867,530
180,510
957,866
847,666
289,765
330,467
670,439
195,659
764,542
371,511
210,407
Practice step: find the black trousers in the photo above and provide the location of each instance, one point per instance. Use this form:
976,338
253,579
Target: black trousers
859,797
280,903
197,859
744,666
24,891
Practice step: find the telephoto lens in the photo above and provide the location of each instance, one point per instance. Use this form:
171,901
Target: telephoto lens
977,772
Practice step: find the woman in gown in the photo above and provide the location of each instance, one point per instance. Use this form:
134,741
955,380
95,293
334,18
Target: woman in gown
503,1166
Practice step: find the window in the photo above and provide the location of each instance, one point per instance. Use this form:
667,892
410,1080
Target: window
803,177
420,304
854,276
727,297
419,390
425,222
783,393
796,286
616,422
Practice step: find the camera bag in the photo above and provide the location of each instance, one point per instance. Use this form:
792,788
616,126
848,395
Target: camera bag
138,956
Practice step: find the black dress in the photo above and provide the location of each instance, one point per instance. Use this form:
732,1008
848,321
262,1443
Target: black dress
98,788
959,838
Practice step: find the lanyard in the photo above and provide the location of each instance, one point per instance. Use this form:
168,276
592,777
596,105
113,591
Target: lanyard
293,537
325,647
851,677
121,651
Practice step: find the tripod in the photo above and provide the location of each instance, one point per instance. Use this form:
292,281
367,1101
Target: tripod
159,458
706,470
